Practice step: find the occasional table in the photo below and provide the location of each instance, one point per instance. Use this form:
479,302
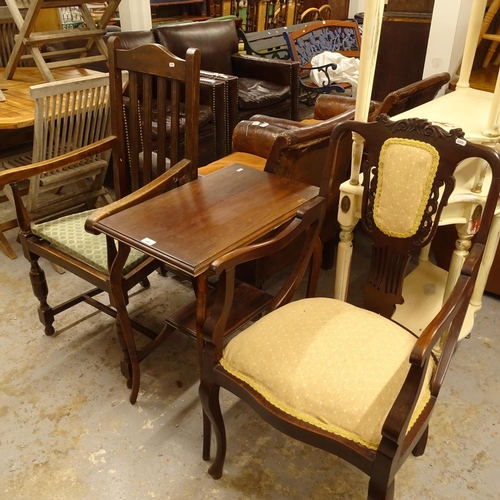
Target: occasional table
188,228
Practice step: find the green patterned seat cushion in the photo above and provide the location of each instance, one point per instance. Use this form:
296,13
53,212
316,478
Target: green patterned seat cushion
328,363
68,234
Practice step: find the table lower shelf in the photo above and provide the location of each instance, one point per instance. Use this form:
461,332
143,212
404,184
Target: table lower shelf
248,302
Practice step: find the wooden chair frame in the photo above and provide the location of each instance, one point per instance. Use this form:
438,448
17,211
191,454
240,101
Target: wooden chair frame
68,115
399,438
142,186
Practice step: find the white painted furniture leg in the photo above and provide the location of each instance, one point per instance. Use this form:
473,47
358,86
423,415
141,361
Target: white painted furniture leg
462,247
473,33
487,262
343,265
349,198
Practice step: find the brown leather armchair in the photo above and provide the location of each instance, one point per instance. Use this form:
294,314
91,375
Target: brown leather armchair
299,150
267,86
398,101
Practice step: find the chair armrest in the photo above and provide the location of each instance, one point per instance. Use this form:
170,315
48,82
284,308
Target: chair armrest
329,105
430,335
253,138
14,175
449,319
279,122
271,70
447,322
263,138
307,220
158,186
306,216
316,131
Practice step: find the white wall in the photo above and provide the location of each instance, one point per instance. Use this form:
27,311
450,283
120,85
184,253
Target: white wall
447,36
356,6
135,15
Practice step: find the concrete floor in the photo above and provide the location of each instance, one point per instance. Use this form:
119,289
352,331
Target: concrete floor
69,432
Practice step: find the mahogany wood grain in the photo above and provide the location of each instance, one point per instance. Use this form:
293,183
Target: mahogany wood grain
197,223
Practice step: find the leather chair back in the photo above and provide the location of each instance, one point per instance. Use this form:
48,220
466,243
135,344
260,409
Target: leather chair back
217,41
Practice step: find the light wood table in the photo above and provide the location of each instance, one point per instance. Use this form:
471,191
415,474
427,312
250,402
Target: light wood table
18,109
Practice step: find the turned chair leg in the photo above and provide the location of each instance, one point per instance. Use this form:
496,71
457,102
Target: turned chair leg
41,291
419,448
209,396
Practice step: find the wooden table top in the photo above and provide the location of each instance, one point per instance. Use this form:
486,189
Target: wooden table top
191,226
18,109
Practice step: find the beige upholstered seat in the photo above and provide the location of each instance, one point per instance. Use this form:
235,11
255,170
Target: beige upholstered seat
328,342
348,380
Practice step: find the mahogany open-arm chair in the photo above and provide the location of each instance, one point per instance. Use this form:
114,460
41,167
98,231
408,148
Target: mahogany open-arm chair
347,379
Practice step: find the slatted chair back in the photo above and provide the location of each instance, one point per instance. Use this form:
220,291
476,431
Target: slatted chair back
8,31
325,12
69,115
309,15
152,121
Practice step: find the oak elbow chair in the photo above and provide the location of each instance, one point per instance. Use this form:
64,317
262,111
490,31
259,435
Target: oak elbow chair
141,170
346,379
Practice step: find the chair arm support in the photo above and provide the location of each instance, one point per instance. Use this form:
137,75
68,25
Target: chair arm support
458,301
255,137
18,174
154,188
307,220
448,322
271,70
305,217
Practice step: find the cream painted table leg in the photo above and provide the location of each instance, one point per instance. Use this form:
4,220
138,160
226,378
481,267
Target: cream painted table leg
350,196
473,33
348,217
462,247
482,277
343,265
